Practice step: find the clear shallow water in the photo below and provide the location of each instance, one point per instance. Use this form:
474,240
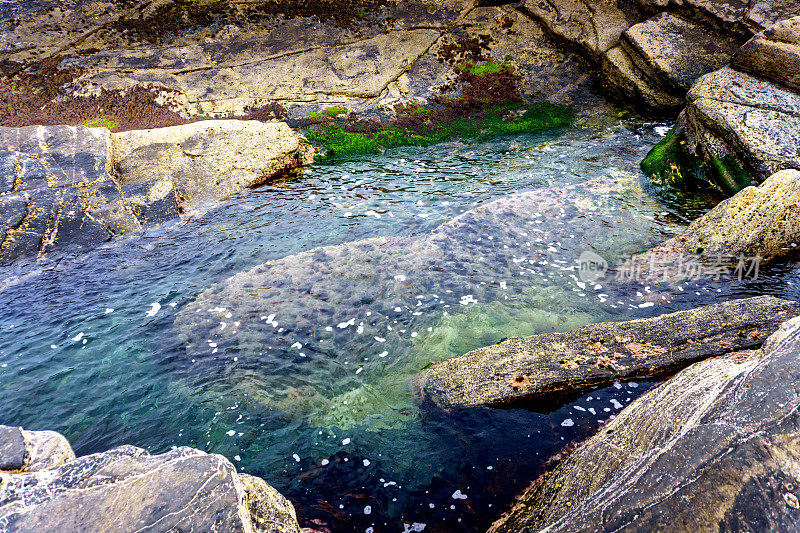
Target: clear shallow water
328,414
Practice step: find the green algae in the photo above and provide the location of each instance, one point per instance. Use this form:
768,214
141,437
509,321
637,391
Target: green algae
434,126
671,164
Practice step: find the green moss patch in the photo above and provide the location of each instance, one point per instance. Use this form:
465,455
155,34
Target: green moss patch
418,126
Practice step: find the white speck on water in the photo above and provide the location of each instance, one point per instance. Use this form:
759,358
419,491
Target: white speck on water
503,285
366,462
53,346
78,337
568,423
591,410
342,325
458,495
616,404
324,462
617,385
345,442
296,457
328,328
646,304
360,369
155,307
383,354
414,333
297,345
468,299
633,385
231,433
416,527
662,130
579,408
237,458
400,277
367,510
581,284
380,339
109,310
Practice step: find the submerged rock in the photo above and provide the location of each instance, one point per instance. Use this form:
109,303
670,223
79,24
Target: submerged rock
546,367
326,311
713,448
43,487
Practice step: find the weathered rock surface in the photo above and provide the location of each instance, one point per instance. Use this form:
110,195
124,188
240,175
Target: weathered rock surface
208,160
67,188
32,451
773,54
739,126
763,221
713,448
56,190
126,489
675,53
542,367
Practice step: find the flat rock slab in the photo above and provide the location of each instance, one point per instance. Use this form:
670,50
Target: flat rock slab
715,448
773,54
126,489
542,366
594,25
677,52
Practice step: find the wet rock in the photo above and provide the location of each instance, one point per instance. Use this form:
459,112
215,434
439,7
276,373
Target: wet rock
43,487
773,54
205,161
544,367
715,447
365,299
758,221
629,81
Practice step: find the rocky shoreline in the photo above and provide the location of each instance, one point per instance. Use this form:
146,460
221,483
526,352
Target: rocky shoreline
44,487
712,446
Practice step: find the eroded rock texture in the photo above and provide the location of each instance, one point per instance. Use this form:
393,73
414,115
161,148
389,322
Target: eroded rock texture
43,487
542,367
713,448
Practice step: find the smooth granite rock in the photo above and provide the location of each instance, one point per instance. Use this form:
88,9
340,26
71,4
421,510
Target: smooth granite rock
126,489
717,447
207,161
555,366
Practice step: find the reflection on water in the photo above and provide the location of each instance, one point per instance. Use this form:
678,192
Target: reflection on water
293,318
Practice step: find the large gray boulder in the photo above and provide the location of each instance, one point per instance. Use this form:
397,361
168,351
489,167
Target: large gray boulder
759,221
546,367
717,447
773,54
43,487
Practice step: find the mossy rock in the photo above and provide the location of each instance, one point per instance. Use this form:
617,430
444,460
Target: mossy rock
671,164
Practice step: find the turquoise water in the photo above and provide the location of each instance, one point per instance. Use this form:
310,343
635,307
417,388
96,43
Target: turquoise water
335,289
